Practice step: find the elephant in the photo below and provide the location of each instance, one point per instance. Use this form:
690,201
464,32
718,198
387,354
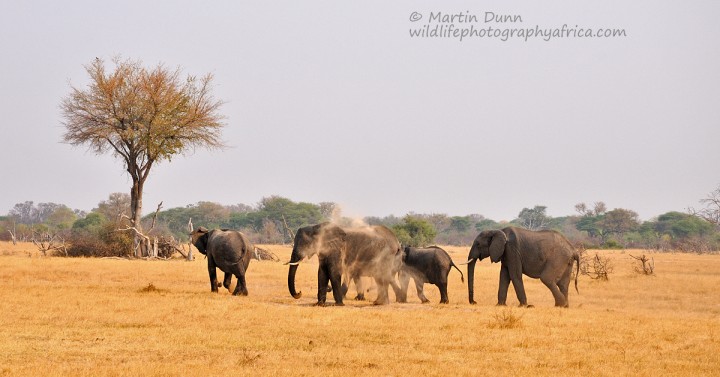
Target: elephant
351,252
544,254
228,250
426,265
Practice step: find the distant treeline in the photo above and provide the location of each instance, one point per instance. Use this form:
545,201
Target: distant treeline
274,219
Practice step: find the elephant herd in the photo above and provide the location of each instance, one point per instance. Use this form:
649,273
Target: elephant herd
347,254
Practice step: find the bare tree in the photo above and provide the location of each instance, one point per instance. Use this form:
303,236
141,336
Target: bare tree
599,208
116,204
582,209
534,218
711,208
46,241
13,234
599,267
648,265
142,116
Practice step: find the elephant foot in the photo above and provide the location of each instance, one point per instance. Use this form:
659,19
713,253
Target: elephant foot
219,284
240,293
360,297
444,301
501,304
387,302
526,306
339,304
473,302
321,304
425,301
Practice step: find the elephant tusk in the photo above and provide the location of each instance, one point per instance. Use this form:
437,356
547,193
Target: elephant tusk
469,261
293,263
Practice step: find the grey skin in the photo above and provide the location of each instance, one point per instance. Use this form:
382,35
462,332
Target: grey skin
228,250
369,251
546,255
426,265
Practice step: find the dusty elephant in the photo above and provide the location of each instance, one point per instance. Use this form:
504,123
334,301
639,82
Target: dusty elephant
228,250
546,255
426,265
368,251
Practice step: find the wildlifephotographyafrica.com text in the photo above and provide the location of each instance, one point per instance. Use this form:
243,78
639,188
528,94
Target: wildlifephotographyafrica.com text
466,25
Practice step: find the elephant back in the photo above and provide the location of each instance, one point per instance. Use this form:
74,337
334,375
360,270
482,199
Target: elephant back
229,246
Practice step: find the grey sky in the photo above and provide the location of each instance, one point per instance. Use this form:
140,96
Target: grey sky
330,101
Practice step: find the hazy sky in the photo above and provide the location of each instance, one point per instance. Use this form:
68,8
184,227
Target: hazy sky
332,101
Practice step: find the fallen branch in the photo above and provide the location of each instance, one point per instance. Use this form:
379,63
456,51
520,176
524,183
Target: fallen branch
262,254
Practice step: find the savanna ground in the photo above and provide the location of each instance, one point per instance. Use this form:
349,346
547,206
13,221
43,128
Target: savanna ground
62,316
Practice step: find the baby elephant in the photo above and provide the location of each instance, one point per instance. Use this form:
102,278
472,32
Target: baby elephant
228,250
426,265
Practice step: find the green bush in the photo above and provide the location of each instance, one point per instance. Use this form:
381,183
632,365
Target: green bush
414,231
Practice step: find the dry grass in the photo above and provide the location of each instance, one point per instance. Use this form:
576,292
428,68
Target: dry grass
64,317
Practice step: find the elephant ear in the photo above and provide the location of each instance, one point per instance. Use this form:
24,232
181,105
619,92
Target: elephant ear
497,246
200,239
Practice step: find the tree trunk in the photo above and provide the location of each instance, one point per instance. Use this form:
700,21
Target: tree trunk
136,215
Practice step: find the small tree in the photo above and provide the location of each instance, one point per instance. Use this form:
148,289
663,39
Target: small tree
647,265
598,267
142,116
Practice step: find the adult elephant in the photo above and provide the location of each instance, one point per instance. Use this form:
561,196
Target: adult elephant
228,250
546,255
366,251
426,265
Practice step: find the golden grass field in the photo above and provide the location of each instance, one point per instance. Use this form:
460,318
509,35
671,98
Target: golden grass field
68,317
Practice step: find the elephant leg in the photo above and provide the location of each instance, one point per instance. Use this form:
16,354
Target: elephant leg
213,274
556,288
337,288
227,280
420,292
382,288
404,283
396,290
503,286
323,280
564,284
443,292
519,289
241,286
359,288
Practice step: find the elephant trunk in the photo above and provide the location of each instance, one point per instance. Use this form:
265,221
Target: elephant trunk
471,281
294,259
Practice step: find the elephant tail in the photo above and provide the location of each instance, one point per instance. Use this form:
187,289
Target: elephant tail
576,257
462,278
